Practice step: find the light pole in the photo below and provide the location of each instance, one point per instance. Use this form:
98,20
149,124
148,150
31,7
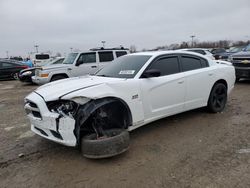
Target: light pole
36,46
103,43
7,54
192,36
71,49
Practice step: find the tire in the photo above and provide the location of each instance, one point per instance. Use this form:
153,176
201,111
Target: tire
15,76
116,143
237,79
218,98
57,77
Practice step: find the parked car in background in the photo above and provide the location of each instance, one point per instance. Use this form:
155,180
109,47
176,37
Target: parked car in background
39,58
96,112
78,64
17,58
9,69
202,51
225,56
26,74
241,62
217,52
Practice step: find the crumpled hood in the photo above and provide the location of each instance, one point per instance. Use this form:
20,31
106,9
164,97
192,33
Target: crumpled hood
55,90
55,66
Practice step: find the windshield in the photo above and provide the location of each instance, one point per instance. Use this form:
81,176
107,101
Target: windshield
236,49
70,58
51,62
247,48
124,67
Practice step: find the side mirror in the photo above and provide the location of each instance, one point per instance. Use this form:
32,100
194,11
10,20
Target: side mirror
79,62
151,73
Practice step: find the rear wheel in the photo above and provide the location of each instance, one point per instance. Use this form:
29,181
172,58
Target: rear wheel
57,77
218,98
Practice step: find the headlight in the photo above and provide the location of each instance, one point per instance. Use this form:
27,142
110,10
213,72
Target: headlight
63,107
27,73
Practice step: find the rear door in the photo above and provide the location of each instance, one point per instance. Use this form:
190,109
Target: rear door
85,64
163,95
105,57
198,76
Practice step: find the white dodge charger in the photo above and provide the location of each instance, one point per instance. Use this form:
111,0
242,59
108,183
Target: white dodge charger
97,112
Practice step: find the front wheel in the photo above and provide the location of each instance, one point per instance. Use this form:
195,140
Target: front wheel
218,98
115,141
15,76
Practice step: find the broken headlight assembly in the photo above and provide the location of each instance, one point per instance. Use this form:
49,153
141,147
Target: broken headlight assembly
63,107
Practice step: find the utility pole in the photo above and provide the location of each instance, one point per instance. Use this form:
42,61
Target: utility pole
36,46
192,36
103,43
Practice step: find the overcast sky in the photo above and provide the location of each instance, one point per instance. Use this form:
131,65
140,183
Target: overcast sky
57,25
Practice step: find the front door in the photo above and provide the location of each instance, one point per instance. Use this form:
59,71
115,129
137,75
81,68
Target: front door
86,64
163,95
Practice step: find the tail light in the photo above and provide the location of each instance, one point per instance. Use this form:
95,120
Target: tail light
23,67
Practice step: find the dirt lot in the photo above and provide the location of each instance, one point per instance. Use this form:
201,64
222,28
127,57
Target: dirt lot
193,149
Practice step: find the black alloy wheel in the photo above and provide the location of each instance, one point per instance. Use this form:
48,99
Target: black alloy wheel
218,98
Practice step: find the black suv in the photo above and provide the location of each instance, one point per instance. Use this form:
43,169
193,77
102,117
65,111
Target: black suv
241,62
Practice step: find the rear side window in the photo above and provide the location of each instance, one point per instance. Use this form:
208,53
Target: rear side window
192,63
120,53
42,56
106,56
167,65
204,63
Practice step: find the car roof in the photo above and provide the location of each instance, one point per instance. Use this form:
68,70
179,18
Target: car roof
157,53
195,49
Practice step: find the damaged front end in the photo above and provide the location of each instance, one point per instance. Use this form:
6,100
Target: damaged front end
53,120
66,120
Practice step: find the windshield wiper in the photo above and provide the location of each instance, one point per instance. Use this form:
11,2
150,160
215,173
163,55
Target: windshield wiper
103,75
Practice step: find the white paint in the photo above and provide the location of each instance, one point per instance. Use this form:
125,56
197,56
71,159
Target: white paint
241,151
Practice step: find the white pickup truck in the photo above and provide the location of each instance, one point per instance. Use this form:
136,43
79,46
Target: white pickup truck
78,64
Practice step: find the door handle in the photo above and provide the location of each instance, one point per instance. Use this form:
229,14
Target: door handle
93,66
181,82
210,74
69,68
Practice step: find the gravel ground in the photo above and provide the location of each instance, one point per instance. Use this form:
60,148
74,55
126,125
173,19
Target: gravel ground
192,149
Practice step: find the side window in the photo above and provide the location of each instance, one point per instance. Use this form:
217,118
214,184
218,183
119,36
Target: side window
204,63
7,65
106,56
120,53
190,63
167,65
87,58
